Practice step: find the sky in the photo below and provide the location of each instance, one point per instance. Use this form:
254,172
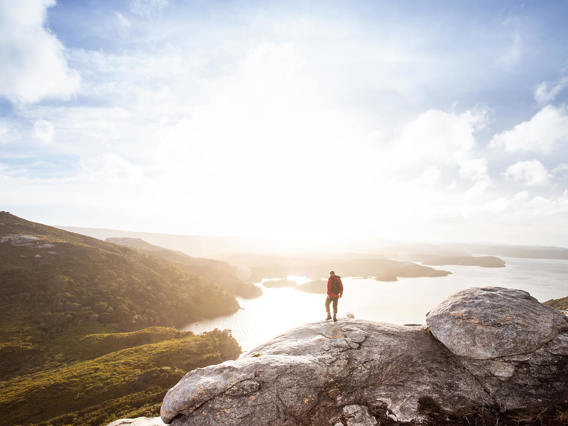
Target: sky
300,121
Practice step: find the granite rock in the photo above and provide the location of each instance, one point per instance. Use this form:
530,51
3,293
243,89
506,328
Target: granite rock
493,322
357,372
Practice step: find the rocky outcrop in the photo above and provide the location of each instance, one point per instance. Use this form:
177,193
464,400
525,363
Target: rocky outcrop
493,322
21,240
356,372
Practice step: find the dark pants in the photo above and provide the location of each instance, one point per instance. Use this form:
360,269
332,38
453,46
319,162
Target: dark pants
328,301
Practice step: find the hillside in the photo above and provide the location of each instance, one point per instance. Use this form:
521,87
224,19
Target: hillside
69,308
52,279
560,304
109,376
224,274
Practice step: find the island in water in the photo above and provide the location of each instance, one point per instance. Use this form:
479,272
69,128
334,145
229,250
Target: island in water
443,260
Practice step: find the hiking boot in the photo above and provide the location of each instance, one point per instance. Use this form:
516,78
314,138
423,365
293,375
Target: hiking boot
328,317
334,318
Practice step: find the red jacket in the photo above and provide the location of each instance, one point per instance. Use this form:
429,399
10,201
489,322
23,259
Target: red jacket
329,281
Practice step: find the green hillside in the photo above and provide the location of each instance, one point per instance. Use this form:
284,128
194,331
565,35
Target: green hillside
72,308
560,304
52,280
222,273
128,379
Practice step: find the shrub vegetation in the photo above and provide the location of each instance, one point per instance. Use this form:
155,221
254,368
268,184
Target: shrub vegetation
560,304
86,326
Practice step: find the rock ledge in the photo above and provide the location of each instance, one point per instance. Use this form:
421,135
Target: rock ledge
358,372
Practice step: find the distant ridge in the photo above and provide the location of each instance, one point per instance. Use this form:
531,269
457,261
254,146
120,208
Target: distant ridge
529,252
213,247
222,273
226,248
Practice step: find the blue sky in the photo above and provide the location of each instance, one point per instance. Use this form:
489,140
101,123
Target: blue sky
425,121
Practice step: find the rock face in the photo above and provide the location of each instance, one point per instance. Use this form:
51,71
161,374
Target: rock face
21,240
492,322
356,372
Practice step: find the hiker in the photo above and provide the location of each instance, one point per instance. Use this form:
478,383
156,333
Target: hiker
334,292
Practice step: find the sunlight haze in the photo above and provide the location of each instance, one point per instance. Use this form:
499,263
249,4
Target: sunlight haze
299,122
258,212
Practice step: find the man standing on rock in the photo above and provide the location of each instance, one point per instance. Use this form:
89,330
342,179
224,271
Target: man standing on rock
334,292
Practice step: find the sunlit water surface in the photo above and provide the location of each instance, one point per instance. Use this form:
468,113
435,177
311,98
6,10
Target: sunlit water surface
403,302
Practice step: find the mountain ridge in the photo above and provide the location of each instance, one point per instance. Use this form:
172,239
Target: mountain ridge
224,274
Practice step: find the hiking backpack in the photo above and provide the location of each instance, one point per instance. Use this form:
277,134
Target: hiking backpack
336,285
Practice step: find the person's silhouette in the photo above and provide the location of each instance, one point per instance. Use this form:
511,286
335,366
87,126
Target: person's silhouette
334,292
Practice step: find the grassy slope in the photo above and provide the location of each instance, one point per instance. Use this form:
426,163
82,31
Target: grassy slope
78,280
68,306
221,272
560,304
134,377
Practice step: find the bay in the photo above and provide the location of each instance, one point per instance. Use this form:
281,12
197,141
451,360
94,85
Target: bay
405,301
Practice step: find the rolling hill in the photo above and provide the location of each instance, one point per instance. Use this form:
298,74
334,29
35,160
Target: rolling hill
560,304
77,326
52,279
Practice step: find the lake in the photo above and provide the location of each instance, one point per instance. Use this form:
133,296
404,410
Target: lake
405,301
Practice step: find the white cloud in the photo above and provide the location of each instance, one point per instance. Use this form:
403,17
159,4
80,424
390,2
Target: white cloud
429,177
513,54
498,205
542,206
4,131
474,169
111,169
561,169
43,130
438,137
147,7
32,58
543,133
10,132
188,129
531,173
478,188
123,23
547,91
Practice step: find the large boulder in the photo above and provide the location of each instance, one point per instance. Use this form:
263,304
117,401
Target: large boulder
360,372
492,322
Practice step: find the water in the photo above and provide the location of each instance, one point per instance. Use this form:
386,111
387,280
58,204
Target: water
403,302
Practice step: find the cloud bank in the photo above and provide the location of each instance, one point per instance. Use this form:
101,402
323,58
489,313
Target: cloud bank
285,124
33,60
